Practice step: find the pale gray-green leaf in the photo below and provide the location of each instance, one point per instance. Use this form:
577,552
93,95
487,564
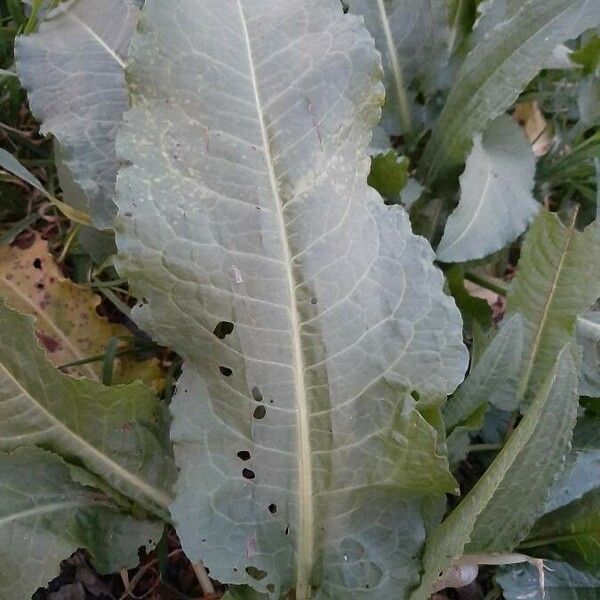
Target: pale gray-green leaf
588,336
116,432
496,202
493,380
413,38
562,582
588,99
246,203
493,13
503,505
45,516
557,280
580,474
496,71
73,70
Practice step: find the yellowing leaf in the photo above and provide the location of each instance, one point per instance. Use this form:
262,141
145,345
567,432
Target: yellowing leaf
67,324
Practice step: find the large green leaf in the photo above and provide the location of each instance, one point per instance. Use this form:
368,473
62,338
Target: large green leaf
496,203
496,71
45,516
504,504
413,38
73,70
557,280
116,432
307,311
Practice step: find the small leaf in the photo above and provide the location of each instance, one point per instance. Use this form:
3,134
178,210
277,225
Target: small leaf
588,56
496,203
389,174
504,504
472,309
459,439
118,433
45,516
571,532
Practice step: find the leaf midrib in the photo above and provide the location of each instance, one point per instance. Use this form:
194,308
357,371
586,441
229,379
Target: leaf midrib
482,201
396,68
44,509
305,538
546,310
97,39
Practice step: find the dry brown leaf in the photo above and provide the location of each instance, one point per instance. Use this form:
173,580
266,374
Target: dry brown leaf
529,116
67,324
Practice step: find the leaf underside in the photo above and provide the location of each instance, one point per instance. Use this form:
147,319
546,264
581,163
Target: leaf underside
73,70
496,203
306,310
588,336
412,37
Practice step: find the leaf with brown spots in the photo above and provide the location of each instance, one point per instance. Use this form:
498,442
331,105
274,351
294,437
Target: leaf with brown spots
67,323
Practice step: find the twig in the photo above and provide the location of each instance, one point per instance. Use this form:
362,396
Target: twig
484,448
203,579
494,285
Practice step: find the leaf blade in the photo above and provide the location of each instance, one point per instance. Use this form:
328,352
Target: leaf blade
280,152
496,203
413,38
115,432
494,379
556,283
81,111
501,508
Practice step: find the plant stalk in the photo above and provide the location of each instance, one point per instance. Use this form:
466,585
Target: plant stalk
494,285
